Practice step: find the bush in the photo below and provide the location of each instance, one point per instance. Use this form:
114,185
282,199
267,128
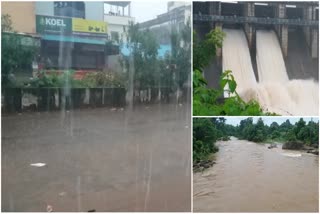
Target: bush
204,136
225,138
91,80
104,79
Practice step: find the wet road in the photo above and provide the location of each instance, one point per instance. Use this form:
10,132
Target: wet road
98,159
249,177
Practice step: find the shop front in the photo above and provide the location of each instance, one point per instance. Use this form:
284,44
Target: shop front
72,43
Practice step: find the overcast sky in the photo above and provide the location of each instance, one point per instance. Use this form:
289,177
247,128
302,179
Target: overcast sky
269,120
146,10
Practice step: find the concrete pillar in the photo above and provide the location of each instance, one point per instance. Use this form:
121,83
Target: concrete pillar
212,11
309,13
129,9
314,14
219,8
281,11
311,35
214,8
211,8
282,30
248,28
284,40
306,30
314,43
219,50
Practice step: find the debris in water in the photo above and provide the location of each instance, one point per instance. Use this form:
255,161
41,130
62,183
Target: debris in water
49,208
291,155
62,194
38,164
113,109
186,127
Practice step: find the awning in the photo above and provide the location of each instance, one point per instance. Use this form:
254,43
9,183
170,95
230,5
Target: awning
118,3
75,39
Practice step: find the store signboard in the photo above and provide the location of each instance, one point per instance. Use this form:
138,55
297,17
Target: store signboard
88,26
51,24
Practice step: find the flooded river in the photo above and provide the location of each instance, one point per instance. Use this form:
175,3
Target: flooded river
98,159
249,177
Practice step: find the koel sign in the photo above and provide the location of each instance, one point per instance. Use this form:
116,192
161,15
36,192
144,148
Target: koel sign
57,25
48,24
55,22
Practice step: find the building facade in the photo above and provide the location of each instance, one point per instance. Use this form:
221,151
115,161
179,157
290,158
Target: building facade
72,35
118,17
22,15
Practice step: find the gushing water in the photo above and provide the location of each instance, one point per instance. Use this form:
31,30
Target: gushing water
236,57
270,63
274,91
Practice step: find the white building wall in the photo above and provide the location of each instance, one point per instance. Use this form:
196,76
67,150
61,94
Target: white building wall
93,10
116,24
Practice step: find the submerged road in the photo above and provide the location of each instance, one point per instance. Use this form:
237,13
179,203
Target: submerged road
98,159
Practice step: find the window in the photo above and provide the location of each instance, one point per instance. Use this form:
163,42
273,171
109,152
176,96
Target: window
115,36
69,9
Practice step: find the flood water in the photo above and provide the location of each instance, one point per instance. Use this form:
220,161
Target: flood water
274,91
98,159
249,177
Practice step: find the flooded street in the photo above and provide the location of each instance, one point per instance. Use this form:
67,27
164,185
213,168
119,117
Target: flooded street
249,177
98,159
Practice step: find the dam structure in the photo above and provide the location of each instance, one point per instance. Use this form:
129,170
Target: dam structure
272,49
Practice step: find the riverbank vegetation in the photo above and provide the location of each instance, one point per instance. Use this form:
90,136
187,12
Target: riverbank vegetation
302,131
207,131
208,101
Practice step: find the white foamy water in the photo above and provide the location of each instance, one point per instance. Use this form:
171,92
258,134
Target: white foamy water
270,63
292,155
236,57
275,92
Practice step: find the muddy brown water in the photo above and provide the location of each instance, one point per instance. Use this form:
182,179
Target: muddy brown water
98,159
249,177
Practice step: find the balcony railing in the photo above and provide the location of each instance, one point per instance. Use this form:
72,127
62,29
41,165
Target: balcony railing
255,20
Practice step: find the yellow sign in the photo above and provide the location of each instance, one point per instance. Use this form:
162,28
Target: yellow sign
88,26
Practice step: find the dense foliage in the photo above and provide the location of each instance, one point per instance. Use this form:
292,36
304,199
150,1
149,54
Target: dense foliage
90,80
307,133
206,131
208,101
142,62
146,69
15,55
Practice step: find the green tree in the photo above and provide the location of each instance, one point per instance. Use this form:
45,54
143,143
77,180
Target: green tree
143,52
205,135
180,54
15,55
259,133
